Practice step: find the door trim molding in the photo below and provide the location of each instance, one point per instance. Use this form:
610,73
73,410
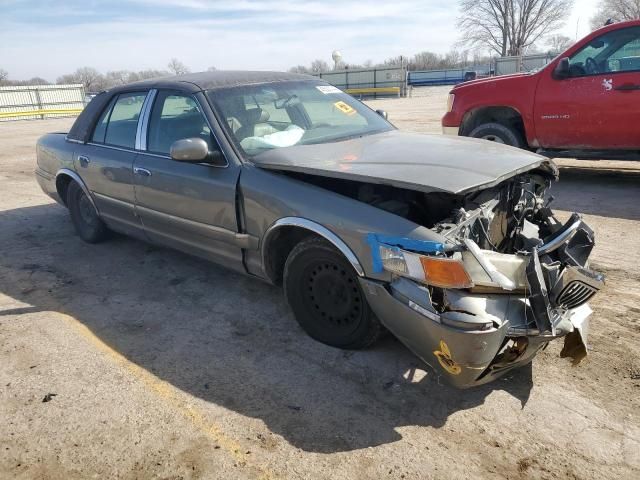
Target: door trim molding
240,240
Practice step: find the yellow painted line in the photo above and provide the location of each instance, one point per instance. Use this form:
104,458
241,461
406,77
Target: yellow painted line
66,111
170,395
374,90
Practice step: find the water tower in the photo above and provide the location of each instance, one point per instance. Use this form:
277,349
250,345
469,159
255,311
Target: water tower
337,57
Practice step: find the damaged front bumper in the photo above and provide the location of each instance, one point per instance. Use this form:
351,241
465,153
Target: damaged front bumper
524,301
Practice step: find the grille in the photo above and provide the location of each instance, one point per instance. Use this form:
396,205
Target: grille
575,294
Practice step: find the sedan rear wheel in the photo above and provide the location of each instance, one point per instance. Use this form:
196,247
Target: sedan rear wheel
323,291
84,217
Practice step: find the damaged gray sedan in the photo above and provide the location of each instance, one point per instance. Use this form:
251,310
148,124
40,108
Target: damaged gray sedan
449,243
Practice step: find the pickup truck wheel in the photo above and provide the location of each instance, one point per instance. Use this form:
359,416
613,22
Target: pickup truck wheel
84,217
496,132
323,291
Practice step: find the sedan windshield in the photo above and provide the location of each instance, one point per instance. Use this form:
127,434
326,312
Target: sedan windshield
279,115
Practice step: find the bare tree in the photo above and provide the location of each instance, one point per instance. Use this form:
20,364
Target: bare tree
147,74
299,69
176,67
212,69
425,61
118,77
558,43
92,80
31,81
319,65
420,61
37,81
615,10
394,61
508,27
4,75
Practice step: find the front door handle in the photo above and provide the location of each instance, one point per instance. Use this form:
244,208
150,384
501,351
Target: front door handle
141,171
83,160
627,87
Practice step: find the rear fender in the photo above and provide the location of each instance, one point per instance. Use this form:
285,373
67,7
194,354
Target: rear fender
76,178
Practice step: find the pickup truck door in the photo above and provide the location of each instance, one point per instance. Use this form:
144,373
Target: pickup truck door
105,162
598,106
188,206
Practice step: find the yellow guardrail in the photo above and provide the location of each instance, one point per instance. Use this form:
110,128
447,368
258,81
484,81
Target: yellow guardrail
66,111
364,91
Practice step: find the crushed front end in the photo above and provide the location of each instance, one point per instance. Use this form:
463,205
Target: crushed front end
507,279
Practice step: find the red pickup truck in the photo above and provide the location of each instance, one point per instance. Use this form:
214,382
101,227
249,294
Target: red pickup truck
586,100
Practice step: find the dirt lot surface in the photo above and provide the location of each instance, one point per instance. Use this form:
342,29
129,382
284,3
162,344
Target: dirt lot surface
164,366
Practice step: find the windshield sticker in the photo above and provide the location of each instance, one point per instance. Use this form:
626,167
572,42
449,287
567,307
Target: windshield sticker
344,108
328,89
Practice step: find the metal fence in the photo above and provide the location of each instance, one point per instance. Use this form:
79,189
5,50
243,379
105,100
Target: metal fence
499,66
369,81
451,76
40,101
525,63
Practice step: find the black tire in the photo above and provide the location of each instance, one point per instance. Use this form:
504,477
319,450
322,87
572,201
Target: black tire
322,289
84,217
496,132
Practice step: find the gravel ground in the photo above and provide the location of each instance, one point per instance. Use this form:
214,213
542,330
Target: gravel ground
164,366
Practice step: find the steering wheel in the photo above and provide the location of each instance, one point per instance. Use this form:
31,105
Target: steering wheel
591,66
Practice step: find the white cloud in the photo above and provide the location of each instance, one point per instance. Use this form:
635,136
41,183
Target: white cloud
229,35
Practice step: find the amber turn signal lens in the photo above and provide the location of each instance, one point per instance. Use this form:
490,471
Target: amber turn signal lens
445,273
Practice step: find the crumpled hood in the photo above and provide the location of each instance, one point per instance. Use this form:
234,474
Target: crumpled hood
427,163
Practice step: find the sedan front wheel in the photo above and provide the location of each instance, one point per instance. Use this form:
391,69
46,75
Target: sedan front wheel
323,291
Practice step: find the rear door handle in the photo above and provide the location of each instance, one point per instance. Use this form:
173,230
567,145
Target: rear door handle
627,87
83,160
141,171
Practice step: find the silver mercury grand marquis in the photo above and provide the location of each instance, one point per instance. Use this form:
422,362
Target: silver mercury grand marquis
448,243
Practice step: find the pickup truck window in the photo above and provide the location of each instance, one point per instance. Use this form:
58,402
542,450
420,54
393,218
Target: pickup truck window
616,51
176,117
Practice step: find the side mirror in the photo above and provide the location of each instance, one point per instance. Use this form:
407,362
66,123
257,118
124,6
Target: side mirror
193,150
383,114
562,70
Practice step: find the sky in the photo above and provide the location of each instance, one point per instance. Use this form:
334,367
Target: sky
51,38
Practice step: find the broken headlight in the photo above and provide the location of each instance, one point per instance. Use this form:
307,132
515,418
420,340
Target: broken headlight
439,271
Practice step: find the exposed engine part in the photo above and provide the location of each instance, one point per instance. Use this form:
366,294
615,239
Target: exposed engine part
511,218
425,209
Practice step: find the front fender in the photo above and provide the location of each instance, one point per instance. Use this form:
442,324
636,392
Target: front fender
272,200
319,230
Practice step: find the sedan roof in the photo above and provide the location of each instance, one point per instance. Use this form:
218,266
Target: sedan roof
191,83
195,82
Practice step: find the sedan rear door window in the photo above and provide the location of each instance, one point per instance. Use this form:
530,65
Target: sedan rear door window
118,123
